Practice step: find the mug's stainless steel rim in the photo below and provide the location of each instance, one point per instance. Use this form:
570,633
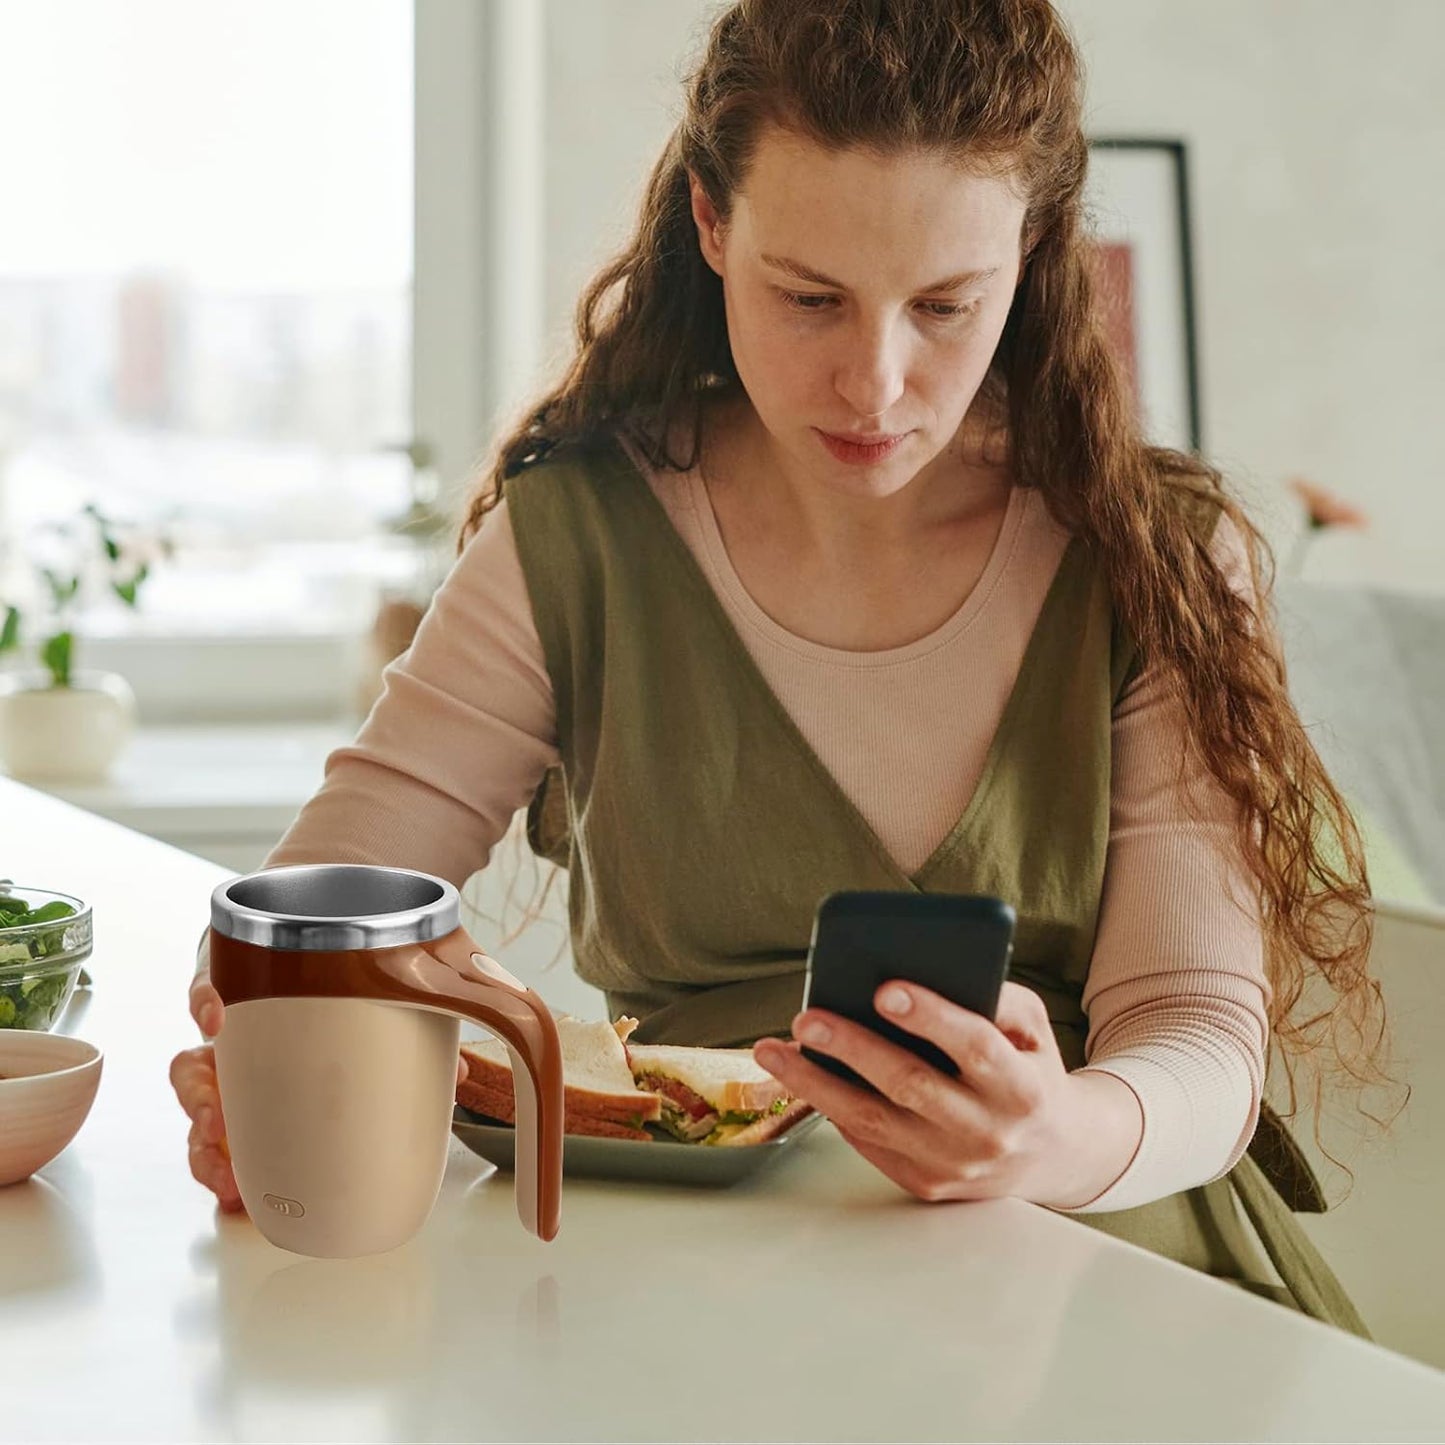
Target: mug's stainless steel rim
278,907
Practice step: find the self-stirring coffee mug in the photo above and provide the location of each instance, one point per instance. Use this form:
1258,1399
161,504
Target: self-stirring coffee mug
344,986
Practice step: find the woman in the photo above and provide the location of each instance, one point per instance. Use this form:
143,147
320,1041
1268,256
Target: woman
994,643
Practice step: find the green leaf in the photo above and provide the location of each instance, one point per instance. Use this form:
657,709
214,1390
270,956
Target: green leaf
10,629
107,531
56,656
62,589
126,591
54,909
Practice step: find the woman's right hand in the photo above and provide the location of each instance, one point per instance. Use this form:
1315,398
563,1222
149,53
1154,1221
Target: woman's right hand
193,1076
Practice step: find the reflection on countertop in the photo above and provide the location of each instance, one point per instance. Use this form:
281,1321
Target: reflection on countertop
58,1261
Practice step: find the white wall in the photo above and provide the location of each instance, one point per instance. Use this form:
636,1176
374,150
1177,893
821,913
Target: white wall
479,212
1316,138
614,76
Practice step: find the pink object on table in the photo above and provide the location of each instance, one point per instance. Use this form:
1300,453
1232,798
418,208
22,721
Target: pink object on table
47,1085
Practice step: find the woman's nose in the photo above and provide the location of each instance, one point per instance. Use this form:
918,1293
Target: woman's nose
870,377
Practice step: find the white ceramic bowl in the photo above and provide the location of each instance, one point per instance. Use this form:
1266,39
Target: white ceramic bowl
47,1085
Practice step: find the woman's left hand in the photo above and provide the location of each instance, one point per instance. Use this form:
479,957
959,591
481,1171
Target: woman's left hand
1002,1128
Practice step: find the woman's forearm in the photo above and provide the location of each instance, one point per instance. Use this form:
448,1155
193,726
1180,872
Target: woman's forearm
1100,1132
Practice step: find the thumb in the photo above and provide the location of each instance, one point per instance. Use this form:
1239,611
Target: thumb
1023,1017
207,1008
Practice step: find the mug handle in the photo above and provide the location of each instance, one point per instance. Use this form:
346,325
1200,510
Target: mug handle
479,988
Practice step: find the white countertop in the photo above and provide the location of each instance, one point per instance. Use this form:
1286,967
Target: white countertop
815,1301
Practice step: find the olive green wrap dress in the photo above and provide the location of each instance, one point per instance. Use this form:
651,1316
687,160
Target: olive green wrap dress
700,830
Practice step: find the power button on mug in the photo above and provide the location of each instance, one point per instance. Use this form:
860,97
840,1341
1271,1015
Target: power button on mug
282,1205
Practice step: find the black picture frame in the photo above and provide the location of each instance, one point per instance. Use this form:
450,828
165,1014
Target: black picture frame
1138,210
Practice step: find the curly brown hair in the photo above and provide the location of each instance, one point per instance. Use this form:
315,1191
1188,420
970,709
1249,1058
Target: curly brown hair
997,84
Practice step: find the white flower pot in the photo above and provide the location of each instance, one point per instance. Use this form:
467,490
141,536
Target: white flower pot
64,734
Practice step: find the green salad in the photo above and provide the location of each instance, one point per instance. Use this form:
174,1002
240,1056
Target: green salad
30,998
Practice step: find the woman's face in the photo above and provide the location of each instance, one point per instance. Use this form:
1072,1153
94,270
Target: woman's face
869,342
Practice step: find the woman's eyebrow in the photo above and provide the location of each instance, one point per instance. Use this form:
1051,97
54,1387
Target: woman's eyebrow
800,272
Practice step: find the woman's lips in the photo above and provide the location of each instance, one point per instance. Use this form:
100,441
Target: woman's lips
859,453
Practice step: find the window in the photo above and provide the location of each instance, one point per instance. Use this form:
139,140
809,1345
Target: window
205,294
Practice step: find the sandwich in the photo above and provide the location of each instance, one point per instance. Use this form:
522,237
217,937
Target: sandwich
615,1090
714,1096
598,1094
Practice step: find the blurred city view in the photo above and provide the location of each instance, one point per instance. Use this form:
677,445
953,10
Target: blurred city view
228,405
205,303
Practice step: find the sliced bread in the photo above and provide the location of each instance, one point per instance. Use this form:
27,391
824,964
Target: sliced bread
731,1080
597,1083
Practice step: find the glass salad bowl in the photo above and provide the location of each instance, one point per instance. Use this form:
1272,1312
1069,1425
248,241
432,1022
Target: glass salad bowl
45,939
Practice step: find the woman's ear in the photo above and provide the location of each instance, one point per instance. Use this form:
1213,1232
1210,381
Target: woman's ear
1026,247
709,224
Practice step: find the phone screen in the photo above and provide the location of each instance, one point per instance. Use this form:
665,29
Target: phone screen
957,945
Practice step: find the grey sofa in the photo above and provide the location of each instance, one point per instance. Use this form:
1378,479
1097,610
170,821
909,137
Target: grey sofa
1367,671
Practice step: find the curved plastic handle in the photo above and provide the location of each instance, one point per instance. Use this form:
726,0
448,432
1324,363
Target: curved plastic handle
482,990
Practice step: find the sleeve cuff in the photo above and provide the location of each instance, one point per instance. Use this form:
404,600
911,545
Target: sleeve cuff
1164,1153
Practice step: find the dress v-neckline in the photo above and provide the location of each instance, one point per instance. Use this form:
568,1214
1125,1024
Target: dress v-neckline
917,880
761,621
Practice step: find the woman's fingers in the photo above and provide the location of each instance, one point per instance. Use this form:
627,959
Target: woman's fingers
1024,1017
212,1169
996,1059
193,1076
191,1070
210,1123
206,1006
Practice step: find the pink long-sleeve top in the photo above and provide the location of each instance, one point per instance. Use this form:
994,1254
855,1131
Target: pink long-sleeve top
1176,997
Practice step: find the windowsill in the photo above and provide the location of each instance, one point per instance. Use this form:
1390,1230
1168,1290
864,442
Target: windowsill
240,779
276,635
296,676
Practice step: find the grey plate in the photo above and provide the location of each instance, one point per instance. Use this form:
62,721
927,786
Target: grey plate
662,1160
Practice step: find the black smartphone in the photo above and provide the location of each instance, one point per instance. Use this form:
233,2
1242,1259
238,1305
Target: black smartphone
956,944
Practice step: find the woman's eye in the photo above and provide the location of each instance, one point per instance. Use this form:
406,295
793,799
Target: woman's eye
811,301
802,301
947,311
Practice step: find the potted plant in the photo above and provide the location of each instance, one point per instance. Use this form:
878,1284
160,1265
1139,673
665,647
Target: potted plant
59,723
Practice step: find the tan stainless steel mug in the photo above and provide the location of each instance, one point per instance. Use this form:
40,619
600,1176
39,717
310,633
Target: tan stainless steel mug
344,986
